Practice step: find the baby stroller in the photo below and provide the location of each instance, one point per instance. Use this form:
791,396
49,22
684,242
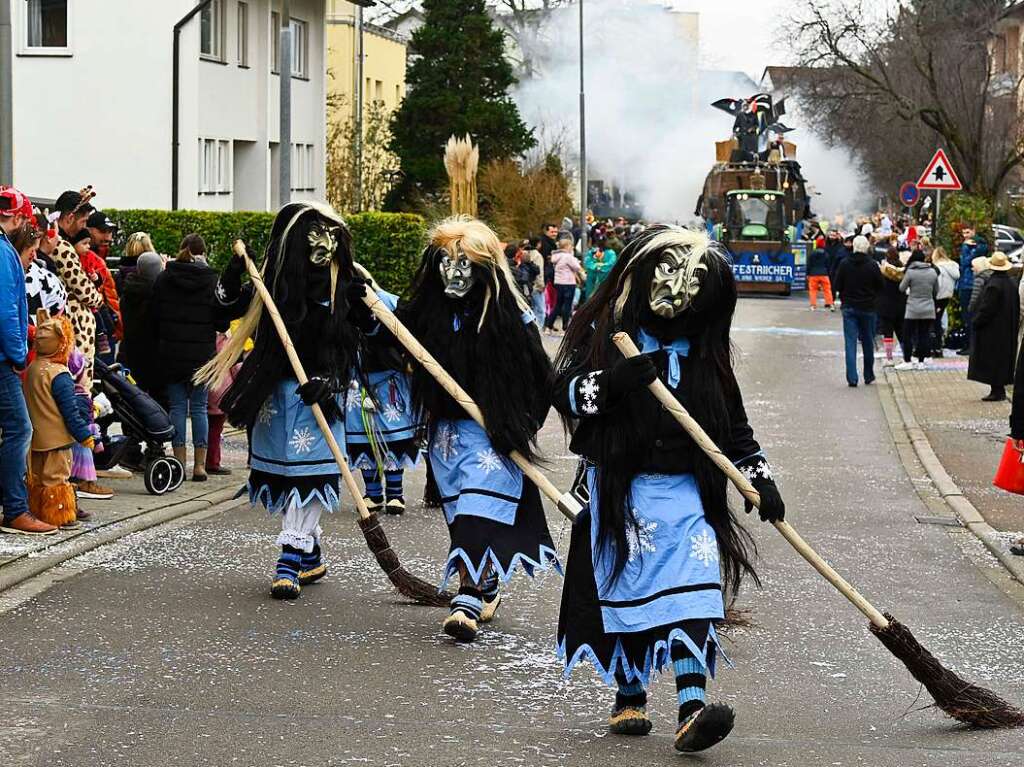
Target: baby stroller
143,421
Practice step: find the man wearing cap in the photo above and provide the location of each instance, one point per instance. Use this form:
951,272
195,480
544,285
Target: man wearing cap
101,236
83,297
15,426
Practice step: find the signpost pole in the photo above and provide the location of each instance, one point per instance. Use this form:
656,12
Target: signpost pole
938,211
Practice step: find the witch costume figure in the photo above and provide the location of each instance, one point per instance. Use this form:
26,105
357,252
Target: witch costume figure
308,268
465,309
657,548
382,431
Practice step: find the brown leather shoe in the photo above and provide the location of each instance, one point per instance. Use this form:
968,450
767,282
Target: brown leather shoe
26,524
83,516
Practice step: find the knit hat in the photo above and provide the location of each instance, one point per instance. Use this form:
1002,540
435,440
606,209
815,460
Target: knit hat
861,244
150,265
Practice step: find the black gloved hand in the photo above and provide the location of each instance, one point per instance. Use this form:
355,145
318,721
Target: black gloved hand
317,391
629,374
772,508
359,313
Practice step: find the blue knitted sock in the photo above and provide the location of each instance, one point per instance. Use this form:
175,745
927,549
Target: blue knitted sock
289,563
691,679
489,586
394,483
374,488
630,694
312,559
468,601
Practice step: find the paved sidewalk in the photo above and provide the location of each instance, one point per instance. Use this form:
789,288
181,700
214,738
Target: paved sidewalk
966,434
129,502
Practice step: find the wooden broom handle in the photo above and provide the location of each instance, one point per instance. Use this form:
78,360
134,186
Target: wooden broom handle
300,375
566,503
668,400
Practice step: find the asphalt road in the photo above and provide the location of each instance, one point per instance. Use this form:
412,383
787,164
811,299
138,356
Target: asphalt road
165,648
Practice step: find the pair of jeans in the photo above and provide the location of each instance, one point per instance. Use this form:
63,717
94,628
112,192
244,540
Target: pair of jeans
188,399
537,304
859,325
564,295
918,339
15,438
965,314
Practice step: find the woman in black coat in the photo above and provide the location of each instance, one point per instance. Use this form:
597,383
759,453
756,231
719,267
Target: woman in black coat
185,320
138,348
995,325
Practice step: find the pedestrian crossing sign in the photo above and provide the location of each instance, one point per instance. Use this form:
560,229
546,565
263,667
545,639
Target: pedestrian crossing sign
940,175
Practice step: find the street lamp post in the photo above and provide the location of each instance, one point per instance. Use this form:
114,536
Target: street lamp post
284,181
357,98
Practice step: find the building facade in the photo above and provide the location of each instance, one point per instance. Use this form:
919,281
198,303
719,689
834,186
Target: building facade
93,101
384,52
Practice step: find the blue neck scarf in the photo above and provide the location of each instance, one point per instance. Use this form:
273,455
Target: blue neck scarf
678,348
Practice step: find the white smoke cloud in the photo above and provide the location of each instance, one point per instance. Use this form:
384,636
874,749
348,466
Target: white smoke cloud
650,126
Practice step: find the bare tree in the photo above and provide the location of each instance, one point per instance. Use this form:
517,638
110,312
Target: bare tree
341,155
890,84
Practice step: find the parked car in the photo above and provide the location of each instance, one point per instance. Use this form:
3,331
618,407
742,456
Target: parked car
1009,240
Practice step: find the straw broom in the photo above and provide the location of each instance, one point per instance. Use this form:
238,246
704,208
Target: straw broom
960,699
407,584
461,160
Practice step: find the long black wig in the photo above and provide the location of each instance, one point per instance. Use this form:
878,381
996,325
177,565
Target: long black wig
484,340
622,303
312,301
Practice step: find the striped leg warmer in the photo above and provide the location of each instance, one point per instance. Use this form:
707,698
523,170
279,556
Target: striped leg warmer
629,694
394,484
289,563
691,680
469,602
374,489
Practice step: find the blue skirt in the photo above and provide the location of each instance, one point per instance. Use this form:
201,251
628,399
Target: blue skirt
495,516
393,425
290,461
669,590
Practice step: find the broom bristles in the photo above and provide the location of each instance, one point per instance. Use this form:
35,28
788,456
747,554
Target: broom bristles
960,699
407,584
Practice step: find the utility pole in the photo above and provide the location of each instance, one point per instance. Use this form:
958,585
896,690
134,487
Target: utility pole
357,106
583,149
285,137
6,96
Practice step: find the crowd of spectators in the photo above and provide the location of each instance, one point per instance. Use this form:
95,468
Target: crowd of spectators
61,311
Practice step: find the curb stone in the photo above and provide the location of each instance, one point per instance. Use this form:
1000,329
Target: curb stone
39,561
950,492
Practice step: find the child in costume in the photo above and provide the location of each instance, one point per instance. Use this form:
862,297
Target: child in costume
465,309
83,467
382,432
57,424
652,557
293,473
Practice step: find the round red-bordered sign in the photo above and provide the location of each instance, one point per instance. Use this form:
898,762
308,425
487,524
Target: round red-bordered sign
909,195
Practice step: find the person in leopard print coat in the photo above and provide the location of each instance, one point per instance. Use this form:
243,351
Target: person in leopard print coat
83,297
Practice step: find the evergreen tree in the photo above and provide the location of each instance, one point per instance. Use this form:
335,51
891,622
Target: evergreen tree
457,83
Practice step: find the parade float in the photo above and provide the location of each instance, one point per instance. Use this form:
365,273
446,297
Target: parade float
755,199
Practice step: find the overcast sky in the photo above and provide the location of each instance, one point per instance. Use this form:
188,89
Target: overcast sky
739,34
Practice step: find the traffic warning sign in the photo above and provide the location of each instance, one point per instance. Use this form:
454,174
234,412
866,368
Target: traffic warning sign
940,175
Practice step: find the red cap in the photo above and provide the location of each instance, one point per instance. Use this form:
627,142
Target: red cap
13,202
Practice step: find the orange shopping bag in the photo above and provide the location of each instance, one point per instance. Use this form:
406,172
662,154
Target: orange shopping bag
1010,474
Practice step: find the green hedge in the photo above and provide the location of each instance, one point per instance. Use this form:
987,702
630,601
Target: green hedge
388,244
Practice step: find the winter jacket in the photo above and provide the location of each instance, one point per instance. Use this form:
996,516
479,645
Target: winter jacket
597,271
949,274
977,288
994,322
13,306
185,319
817,263
537,260
967,254
858,282
50,398
921,284
138,350
892,302
566,267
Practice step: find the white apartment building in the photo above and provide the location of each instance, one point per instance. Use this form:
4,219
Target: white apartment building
93,85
